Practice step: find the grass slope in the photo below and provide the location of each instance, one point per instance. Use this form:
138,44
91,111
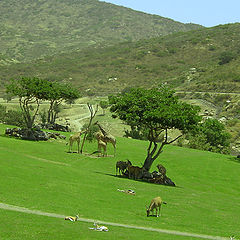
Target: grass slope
43,176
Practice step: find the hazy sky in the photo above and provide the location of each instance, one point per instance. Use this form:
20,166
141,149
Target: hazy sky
205,12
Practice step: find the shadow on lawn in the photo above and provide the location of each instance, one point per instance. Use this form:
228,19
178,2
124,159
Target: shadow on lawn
234,159
139,180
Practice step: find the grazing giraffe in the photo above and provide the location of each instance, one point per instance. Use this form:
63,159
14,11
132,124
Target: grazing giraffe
75,138
107,137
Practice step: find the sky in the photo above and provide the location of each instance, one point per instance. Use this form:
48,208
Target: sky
208,13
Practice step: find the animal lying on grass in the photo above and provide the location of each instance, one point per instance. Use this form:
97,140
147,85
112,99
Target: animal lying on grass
155,204
72,219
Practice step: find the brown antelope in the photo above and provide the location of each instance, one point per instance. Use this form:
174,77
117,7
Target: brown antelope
121,166
155,204
134,171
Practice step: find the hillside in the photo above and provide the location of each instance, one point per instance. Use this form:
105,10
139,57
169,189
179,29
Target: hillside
41,177
32,29
187,61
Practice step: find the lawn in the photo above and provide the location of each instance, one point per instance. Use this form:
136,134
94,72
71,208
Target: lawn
43,176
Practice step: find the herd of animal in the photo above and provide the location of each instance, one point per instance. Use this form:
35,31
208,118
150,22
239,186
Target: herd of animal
122,167
125,168
102,137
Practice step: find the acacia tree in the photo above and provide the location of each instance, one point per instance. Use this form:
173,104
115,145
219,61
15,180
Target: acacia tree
57,93
157,111
30,91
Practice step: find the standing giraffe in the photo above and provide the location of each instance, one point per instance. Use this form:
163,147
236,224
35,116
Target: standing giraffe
107,137
75,138
102,144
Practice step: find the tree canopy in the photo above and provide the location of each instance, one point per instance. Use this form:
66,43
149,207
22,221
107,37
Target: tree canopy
57,92
33,90
156,110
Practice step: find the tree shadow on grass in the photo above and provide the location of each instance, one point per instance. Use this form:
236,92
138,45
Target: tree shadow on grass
138,180
234,159
107,174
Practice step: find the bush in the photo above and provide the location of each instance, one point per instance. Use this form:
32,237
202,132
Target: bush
211,136
2,112
226,57
13,117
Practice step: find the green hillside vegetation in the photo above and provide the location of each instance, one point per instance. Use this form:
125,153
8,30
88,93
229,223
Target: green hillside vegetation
200,60
33,29
43,176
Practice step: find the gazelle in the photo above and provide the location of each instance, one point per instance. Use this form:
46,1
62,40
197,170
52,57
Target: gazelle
155,204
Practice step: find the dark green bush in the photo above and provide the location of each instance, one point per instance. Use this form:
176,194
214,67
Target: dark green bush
226,57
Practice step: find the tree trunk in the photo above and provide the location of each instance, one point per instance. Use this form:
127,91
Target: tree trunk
92,115
152,154
148,162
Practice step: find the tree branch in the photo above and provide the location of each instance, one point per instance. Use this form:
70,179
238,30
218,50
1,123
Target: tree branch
174,139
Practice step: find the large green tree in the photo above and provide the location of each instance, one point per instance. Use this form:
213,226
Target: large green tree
157,110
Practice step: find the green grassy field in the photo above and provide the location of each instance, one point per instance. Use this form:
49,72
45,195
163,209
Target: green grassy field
43,176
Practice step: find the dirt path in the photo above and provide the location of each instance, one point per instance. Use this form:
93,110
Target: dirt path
171,232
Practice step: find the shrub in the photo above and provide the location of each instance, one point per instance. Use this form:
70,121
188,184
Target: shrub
13,117
211,136
226,57
2,112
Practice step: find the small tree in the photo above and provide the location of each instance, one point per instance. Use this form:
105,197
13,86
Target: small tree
57,92
30,91
93,113
104,105
156,110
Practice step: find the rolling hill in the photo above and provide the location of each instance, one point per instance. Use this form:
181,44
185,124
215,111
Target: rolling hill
32,29
199,60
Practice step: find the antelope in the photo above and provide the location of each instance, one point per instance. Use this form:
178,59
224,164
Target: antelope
161,169
134,171
121,166
155,204
72,219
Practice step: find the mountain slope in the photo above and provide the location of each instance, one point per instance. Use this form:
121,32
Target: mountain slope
187,61
32,29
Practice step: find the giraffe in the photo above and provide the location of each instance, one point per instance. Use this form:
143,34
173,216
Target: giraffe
107,137
75,138
102,144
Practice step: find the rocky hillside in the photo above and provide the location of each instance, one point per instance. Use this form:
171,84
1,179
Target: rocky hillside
31,29
199,60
